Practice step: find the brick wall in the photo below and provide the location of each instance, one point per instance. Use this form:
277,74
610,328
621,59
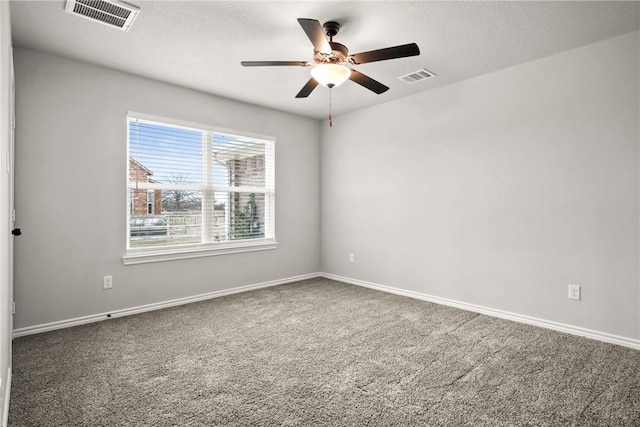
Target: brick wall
138,173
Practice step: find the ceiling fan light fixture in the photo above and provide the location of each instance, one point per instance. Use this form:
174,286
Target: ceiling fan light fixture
327,68
330,75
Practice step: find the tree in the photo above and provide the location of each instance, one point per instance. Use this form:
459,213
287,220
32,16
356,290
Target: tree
245,220
178,200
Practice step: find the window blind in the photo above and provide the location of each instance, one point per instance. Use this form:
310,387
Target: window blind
192,185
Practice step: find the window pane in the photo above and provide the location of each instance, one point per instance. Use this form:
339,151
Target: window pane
168,226
164,153
247,216
238,216
238,161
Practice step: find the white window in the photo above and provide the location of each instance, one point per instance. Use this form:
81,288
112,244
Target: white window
195,190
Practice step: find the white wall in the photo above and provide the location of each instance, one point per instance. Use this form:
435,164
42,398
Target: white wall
498,191
5,219
71,181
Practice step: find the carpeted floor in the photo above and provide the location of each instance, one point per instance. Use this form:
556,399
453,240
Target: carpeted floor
320,353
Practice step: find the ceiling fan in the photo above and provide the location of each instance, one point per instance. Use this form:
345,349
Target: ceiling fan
331,59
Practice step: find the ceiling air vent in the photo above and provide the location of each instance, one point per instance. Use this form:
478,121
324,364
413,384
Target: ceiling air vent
417,76
113,13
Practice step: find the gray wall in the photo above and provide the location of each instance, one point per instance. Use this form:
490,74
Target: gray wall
71,198
498,191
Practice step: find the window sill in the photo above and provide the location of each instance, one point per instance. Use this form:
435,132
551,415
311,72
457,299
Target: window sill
171,254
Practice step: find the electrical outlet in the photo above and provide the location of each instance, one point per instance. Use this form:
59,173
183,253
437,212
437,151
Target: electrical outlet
107,282
574,292
352,258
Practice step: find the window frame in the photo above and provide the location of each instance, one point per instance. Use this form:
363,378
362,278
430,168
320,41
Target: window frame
205,247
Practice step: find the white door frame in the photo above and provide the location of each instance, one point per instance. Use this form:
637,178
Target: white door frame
7,122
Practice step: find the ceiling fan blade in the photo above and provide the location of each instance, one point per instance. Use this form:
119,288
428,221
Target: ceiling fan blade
314,31
368,82
308,88
394,52
274,63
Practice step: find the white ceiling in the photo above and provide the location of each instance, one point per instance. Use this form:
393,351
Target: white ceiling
199,44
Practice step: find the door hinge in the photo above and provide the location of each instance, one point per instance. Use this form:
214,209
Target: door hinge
13,122
13,214
13,307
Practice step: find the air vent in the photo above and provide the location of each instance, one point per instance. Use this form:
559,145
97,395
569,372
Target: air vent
113,13
417,76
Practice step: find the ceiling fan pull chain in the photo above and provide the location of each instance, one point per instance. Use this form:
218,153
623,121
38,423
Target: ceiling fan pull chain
330,119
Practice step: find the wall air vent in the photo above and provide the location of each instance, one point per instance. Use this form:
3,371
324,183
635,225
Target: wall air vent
417,76
113,13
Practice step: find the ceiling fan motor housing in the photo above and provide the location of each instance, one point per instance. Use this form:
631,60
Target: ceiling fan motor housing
339,54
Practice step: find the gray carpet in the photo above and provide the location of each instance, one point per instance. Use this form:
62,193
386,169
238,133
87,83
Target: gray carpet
320,353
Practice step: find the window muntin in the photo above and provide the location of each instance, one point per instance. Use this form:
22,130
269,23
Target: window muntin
192,186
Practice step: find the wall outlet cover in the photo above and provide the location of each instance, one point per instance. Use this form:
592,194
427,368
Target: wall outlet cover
107,282
574,292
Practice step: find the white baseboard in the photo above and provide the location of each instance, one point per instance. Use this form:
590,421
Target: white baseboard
5,402
36,329
556,326
548,324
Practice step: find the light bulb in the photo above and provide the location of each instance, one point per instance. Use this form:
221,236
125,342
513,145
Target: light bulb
330,75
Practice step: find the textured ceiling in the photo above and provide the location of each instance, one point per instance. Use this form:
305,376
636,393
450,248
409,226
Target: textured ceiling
199,44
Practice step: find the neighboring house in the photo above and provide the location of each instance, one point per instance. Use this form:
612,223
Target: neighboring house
143,202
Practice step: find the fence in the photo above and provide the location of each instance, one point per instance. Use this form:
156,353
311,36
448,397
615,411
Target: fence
175,228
